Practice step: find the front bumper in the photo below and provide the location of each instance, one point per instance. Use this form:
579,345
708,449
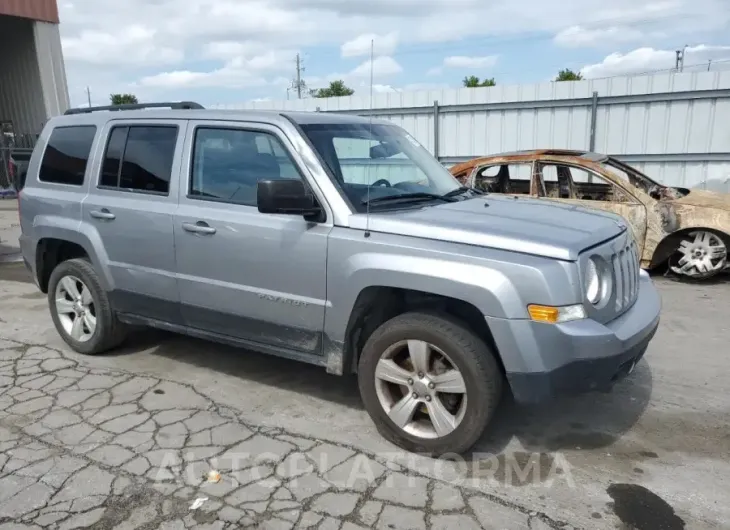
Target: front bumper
546,360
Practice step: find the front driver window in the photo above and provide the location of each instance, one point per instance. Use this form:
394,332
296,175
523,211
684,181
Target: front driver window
228,163
589,186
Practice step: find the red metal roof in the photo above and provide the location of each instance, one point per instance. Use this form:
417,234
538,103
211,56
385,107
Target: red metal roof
43,10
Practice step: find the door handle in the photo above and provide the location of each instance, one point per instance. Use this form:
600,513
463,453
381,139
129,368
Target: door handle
102,214
201,227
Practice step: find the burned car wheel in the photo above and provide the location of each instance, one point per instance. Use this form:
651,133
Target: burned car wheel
700,255
429,383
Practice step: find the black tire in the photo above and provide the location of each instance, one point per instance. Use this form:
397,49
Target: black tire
109,332
474,359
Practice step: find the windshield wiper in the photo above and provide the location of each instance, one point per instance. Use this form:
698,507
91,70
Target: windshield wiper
415,196
461,190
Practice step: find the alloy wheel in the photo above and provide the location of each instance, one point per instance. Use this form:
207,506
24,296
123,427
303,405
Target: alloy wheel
75,307
700,254
420,389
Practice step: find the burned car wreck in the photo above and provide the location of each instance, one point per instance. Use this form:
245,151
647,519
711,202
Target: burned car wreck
687,229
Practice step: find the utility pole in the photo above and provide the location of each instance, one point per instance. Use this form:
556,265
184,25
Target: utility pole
676,61
681,69
88,95
299,78
709,63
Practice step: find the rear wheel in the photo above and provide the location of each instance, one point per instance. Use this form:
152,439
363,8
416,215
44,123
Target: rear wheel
429,383
700,254
80,309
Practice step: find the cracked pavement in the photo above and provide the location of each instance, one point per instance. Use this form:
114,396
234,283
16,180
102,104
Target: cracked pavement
82,447
125,440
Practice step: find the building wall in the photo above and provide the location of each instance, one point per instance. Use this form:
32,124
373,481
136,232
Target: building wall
21,90
32,76
674,126
45,10
52,68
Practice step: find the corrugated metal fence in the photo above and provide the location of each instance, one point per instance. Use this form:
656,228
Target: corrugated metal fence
675,127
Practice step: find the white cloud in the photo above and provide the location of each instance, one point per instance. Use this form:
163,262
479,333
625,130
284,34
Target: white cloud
112,45
580,37
464,62
460,61
381,67
239,72
134,44
228,49
360,45
359,77
228,76
646,60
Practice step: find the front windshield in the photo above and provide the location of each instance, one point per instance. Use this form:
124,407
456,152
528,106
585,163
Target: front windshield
371,162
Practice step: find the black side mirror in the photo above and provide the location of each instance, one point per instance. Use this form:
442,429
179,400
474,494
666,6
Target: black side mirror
287,196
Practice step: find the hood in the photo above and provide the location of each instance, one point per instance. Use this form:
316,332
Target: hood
705,199
530,226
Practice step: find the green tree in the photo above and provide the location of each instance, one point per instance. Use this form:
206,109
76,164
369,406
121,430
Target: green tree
569,75
473,81
123,99
335,90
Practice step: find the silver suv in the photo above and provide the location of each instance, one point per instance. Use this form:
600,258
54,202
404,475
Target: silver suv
333,240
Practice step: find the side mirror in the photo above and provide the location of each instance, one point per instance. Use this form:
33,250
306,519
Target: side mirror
287,196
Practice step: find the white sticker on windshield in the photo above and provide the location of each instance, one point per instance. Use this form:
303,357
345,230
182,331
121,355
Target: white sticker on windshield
412,140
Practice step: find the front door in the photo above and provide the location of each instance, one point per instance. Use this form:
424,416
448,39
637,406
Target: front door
130,205
576,185
258,278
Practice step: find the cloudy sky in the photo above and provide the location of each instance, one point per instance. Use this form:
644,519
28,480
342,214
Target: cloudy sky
229,51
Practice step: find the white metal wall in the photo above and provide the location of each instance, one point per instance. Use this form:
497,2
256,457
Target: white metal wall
676,127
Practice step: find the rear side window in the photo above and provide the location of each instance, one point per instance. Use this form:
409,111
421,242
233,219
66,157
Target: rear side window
66,155
139,158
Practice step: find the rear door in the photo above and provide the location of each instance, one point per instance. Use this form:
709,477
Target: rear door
258,278
131,204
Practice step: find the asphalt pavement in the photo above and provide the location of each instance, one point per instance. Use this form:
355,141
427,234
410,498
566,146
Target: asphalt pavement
174,433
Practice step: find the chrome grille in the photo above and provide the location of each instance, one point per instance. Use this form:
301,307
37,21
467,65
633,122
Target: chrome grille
626,275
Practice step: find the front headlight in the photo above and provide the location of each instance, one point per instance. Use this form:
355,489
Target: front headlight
597,280
592,282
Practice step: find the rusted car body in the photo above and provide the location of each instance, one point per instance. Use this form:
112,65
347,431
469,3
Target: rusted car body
690,229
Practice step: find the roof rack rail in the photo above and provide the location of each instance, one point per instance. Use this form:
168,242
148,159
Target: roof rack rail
134,106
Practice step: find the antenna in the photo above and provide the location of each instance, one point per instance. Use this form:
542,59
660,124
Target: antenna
370,127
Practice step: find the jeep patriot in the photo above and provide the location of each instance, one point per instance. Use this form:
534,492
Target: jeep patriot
334,240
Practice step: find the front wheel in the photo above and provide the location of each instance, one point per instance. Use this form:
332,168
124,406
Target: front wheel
700,255
429,383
